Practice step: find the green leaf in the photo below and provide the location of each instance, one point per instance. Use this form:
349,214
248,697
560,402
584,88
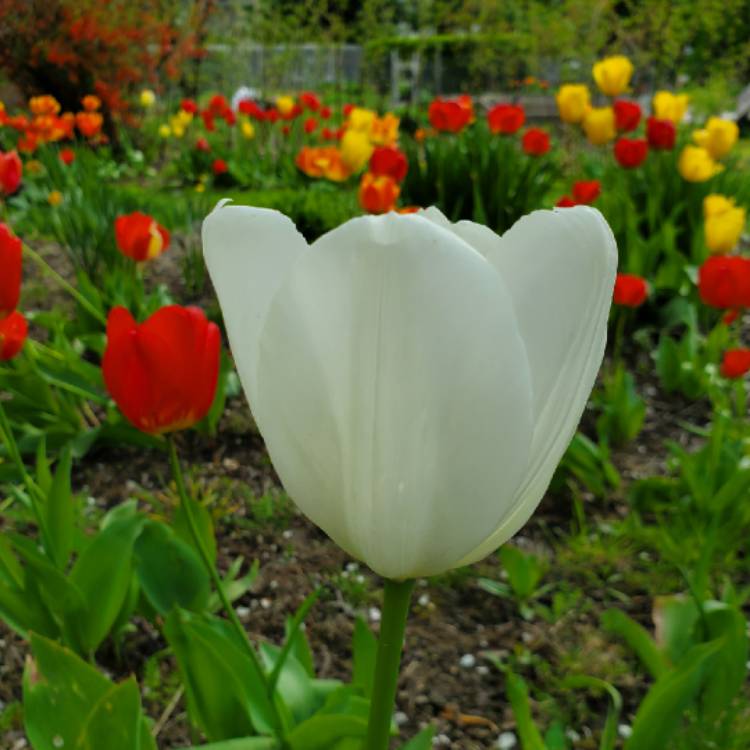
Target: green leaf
635,635
102,574
59,689
169,571
661,711
226,694
423,741
609,733
59,512
518,695
294,685
321,732
365,648
205,525
115,720
245,743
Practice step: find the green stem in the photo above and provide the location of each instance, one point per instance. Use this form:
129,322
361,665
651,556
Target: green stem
390,644
77,296
174,463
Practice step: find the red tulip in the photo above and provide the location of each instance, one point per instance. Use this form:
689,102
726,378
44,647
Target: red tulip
310,125
140,236
325,113
208,120
566,202
378,195
735,363
506,118
661,133
586,191
10,271
309,101
67,156
11,170
535,142
219,166
346,110
218,104
631,152
189,106
449,115
389,161
13,331
627,115
203,145
724,282
162,373
630,290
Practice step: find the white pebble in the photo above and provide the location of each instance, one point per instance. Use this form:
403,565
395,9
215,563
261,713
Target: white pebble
506,741
400,718
624,730
374,614
423,600
467,661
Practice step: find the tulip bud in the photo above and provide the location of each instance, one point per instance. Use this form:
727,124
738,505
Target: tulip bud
11,252
162,373
140,237
411,389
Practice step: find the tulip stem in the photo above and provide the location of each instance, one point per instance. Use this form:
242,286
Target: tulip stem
77,296
174,463
390,645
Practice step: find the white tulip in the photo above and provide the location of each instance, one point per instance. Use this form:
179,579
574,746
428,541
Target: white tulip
416,382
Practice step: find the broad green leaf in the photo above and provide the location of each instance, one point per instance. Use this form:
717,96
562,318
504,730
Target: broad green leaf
102,574
204,523
244,743
59,689
321,732
618,623
365,648
114,721
423,741
661,711
169,570
226,694
59,512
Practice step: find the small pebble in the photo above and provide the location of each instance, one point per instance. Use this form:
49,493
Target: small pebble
400,718
624,730
467,661
265,603
288,534
242,612
506,741
423,600
572,735
374,614
442,740
483,669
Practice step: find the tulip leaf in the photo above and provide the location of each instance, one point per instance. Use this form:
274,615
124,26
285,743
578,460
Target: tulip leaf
116,722
226,694
244,743
59,512
661,711
321,732
169,571
103,573
203,521
69,704
635,635
365,648
518,695
423,741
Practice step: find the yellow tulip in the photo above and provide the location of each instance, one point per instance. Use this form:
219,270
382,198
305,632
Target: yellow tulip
697,165
248,131
718,137
599,125
200,188
165,131
285,104
361,119
148,98
573,101
356,149
724,223
184,118
55,198
669,106
612,75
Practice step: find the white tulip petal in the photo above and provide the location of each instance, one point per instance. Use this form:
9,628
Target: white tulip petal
248,253
394,393
559,267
